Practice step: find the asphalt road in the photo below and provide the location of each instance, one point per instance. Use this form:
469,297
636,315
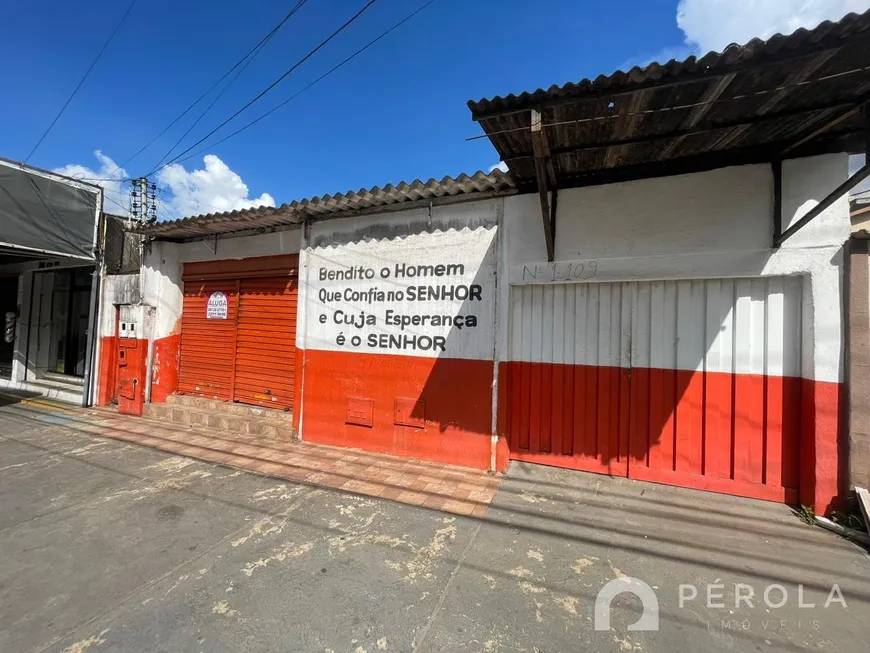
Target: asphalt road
106,546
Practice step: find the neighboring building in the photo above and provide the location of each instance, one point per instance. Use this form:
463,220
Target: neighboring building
859,213
654,290
858,341
49,258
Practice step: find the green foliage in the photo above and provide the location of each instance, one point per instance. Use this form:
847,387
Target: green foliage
848,520
807,515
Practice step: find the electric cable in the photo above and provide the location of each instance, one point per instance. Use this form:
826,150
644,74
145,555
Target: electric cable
316,81
260,44
251,56
271,86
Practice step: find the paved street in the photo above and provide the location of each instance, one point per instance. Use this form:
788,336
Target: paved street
109,546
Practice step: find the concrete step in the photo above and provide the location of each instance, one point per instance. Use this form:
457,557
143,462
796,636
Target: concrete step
62,392
219,440
65,379
282,417
207,418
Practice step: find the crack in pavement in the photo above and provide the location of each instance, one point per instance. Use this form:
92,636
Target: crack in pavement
424,631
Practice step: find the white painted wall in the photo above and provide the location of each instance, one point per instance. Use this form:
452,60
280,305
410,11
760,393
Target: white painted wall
709,225
704,226
163,263
271,244
453,250
116,289
805,182
162,288
728,209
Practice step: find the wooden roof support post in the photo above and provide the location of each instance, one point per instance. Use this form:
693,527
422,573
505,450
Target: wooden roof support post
866,109
546,179
860,175
776,166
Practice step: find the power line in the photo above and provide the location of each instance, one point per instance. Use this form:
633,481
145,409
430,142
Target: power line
82,80
507,131
316,81
251,55
115,202
272,85
171,213
241,61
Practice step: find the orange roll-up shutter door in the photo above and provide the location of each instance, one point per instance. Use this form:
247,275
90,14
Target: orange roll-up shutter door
266,342
207,345
248,353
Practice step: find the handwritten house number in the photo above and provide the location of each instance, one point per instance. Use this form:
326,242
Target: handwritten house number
576,271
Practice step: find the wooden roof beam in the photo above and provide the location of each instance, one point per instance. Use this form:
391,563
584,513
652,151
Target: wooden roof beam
629,123
713,93
546,178
750,120
699,75
774,99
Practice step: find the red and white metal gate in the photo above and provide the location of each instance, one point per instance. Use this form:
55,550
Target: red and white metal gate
691,383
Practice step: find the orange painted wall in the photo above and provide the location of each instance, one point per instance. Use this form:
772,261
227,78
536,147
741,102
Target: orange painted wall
766,437
107,381
164,368
457,414
822,484
297,387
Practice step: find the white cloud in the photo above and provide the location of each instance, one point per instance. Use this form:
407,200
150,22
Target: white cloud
108,176
213,189
679,52
501,165
713,24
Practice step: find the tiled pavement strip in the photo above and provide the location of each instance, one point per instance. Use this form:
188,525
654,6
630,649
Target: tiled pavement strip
439,486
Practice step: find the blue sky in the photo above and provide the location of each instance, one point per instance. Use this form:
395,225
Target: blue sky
397,112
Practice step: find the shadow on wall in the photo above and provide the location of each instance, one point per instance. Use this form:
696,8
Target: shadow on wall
400,336
694,383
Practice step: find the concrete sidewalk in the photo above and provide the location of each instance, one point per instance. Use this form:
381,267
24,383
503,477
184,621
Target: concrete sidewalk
110,546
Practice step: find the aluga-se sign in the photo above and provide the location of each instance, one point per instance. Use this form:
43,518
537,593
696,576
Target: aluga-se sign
217,307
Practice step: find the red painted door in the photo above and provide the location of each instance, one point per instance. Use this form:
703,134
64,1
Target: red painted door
689,383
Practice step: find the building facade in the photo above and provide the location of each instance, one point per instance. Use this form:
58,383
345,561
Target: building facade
50,268
667,341
654,290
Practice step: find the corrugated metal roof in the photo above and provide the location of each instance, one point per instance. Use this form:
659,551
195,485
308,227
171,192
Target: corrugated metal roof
748,103
333,206
755,51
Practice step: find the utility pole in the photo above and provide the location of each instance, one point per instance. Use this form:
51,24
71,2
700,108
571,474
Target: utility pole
143,200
